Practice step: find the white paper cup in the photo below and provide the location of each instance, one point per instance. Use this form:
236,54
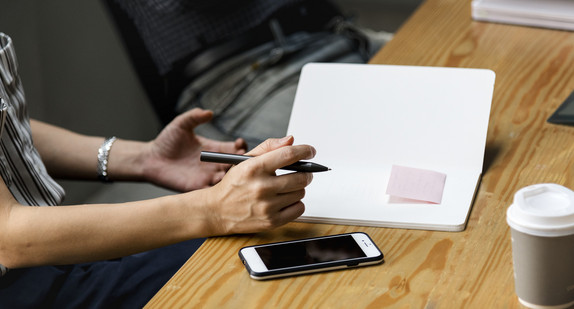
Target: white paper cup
541,220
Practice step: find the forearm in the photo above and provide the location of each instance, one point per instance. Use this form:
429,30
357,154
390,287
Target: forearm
249,199
74,234
70,155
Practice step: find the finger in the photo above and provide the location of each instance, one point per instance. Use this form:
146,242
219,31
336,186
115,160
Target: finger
219,146
217,176
193,118
289,213
271,144
284,209
291,182
271,161
276,201
240,145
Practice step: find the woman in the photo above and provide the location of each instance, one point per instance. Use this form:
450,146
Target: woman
105,248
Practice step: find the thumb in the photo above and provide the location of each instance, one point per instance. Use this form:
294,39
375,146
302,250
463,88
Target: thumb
193,118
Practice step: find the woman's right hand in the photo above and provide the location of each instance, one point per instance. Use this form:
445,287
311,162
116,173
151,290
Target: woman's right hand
252,198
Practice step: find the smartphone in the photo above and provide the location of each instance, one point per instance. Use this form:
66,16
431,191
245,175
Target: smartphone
303,256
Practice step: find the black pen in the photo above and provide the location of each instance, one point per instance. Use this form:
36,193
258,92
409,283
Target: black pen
228,158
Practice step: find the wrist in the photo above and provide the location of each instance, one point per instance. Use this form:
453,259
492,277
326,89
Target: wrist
213,222
103,158
124,161
198,217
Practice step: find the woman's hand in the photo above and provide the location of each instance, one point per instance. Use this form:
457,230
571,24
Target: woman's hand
172,159
252,198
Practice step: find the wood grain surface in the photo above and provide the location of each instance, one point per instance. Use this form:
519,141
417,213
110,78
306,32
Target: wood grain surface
425,269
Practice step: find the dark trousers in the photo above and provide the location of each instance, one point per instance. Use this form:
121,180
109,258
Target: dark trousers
128,282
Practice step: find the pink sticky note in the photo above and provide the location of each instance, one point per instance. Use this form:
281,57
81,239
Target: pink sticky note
416,184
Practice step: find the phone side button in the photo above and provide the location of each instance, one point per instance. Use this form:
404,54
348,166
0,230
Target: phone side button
353,264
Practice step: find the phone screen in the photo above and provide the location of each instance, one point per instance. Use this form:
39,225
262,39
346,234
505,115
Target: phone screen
309,252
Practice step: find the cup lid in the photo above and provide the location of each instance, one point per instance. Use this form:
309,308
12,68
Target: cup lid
543,210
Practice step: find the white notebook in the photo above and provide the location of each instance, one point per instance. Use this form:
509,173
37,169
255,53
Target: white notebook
363,119
555,14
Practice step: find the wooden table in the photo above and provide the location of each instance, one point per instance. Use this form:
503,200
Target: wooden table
470,269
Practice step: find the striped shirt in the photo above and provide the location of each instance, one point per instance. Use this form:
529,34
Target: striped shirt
21,167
